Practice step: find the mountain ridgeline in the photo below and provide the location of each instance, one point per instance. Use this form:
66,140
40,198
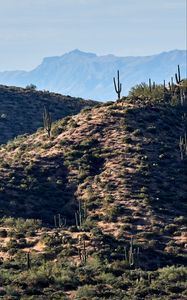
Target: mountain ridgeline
21,110
89,76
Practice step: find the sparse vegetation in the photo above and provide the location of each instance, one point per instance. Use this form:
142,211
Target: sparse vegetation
21,110
97,211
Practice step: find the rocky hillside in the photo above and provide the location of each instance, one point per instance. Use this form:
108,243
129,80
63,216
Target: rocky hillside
110,188
120,161
21,109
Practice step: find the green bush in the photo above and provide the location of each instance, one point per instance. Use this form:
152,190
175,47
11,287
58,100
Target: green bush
143,91
173,274
85,292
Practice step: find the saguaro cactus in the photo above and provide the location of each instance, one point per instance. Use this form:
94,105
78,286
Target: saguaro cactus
132,255
83,255
178,75
118,86
47,120
59,221
79,216
28,261
172,83
183,146
150,85
55,221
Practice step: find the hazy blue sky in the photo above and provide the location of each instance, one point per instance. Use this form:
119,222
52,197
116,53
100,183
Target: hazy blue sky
33,29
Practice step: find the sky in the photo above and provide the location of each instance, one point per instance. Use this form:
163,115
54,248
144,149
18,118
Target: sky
33,29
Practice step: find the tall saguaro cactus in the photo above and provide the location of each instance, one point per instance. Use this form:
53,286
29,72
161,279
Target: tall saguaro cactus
79,216
118,86
150,85
28,261
178,75
47,120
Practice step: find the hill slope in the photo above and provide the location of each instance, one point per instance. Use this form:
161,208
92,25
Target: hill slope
21,110
111,189
120,161
90,76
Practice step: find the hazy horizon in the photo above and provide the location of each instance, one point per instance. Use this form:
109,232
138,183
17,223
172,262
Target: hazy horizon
33,29
90,76
99,55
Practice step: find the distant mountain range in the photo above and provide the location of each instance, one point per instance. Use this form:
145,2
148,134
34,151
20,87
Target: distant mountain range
90,76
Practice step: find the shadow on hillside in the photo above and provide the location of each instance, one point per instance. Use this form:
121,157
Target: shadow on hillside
40,190
163,176
22,110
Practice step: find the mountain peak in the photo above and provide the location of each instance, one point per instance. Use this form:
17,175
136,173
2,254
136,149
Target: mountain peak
87,75
78,52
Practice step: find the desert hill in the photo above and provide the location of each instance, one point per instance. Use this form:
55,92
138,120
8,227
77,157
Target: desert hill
120,160
109,186
21,109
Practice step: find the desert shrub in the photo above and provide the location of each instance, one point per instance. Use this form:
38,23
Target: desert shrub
171,228
181,220
127,140
142,91
110,186
109,199
12,243
85,292
17,235
22,243
129,128
173,274
47,274
20,224
125,227
106,278
60,126
73,123
58,130
109,103
3,233
86,109
74,154
112,213
65,279
12,251
87,144
172,250
30,233
52,241
127,219
64,142
83,173
138,132
31,87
